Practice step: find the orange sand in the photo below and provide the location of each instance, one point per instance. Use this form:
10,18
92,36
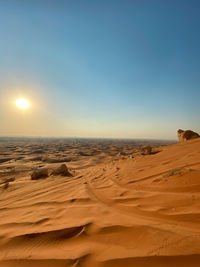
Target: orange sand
142,211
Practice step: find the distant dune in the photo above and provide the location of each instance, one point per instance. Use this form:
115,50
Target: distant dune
119,207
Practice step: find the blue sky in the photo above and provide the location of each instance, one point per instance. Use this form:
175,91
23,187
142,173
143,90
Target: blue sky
104,68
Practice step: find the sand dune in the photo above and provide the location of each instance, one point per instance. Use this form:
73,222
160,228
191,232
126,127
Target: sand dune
116,210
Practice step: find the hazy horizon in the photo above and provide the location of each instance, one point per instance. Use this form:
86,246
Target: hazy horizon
84,138
100,69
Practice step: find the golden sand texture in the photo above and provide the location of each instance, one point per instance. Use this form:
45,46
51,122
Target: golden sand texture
139,211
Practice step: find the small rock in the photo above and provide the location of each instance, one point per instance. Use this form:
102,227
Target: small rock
62,170
39,174
146,150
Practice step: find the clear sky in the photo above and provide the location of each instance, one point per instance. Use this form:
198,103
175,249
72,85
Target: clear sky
100,68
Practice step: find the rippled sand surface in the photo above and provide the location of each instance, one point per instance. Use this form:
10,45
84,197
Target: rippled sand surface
120,208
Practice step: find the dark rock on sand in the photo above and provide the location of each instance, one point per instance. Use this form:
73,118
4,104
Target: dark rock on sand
62,170
39,174
146,150
186,135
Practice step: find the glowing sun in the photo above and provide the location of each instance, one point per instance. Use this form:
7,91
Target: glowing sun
22,103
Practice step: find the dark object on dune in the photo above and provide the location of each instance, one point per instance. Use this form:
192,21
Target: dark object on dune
62,170
39,174
146,150
186,135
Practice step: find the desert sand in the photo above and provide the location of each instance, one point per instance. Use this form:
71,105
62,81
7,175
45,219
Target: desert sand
120,208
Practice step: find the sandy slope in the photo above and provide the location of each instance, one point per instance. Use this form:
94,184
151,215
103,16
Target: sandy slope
141,211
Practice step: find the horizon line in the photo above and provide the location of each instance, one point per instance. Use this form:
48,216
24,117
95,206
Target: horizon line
79,137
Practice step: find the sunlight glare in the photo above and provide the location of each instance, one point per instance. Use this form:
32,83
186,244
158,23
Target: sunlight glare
22,103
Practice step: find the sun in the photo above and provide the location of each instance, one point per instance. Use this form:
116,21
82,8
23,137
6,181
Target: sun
22,103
